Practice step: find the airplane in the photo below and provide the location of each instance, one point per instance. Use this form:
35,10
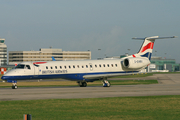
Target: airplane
53,59
84,71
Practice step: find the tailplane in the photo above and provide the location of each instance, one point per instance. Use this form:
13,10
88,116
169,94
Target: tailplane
147,46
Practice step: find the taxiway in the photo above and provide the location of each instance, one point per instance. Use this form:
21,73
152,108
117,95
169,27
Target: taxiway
169,84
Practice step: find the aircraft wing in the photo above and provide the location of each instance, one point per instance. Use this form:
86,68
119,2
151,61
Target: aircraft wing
100,76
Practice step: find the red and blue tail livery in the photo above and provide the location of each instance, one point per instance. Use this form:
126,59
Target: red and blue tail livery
84,71
147,47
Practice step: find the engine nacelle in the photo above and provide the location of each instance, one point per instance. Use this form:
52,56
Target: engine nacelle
135,63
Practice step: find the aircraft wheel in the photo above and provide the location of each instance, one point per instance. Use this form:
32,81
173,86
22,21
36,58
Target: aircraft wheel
82,84
106,83
14,87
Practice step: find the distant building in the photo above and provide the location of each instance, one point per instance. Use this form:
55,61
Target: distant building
158,64
43,54
3,52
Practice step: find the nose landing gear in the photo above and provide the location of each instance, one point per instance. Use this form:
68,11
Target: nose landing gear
14,85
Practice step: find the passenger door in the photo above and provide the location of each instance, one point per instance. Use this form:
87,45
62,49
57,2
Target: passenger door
36,70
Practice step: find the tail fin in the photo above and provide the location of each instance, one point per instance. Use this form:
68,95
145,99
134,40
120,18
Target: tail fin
53,59
147,46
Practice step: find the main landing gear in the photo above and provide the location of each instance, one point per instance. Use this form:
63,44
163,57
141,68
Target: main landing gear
106,83
82,84
14,85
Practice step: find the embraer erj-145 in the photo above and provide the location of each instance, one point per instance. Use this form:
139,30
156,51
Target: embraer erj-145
84,71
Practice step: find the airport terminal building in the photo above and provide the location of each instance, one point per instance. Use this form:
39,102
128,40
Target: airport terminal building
45,54
3,52
159,64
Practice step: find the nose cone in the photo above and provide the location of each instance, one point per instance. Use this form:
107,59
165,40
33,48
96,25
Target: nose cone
10,75
4,77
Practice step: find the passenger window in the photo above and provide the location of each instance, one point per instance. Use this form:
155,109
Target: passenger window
51,67
78,66
46,67
82,66
108,65
60,67
95,65
104,65
65,67
90,66
73,66
99,65
56,67
116,65
112,65
86,66
69,66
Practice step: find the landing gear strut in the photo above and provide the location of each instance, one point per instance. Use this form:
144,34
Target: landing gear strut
106,83
82,84
14,85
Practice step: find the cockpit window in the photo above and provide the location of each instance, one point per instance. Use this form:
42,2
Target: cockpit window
28,67
20,66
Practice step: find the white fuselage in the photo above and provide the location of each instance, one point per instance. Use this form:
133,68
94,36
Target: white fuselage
73,70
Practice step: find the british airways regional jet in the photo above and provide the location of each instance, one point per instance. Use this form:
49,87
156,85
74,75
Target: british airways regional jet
84,71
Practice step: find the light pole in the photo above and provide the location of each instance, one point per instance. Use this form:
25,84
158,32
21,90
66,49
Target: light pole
165,55
99,54
129,51
155,52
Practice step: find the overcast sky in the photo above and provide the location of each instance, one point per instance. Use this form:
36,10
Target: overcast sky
81,25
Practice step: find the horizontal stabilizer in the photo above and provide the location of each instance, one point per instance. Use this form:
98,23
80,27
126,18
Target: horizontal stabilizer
153,38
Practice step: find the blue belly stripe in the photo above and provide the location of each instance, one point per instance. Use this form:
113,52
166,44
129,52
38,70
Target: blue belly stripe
74,76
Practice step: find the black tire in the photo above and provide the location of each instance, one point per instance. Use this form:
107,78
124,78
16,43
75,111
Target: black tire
14,87
84,84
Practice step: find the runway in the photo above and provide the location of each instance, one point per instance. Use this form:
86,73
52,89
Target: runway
169,84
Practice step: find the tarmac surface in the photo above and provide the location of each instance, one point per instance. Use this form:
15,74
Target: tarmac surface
169,84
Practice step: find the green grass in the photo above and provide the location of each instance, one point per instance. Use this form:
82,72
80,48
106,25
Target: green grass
125,108
132,82
134,76
145,75
166,73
